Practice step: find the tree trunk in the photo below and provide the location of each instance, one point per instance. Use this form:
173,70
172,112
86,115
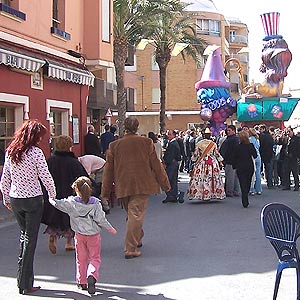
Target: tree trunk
162,83
163,57
120,55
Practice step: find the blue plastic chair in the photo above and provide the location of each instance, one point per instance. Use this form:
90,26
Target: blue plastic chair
281,226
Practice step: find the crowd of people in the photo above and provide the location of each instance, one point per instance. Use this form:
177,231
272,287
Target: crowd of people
72,195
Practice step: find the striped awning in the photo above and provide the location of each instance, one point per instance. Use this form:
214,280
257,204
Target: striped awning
69,73
20,61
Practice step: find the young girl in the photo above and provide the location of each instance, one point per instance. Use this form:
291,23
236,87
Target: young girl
86,218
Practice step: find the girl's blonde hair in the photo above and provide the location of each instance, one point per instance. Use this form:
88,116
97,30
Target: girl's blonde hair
244,137
252,132
84,187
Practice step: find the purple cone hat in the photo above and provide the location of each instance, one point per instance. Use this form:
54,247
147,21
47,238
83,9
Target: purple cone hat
213,73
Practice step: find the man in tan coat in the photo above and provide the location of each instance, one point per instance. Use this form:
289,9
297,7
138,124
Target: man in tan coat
132,165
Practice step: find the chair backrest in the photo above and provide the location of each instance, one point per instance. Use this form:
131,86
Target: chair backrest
281,226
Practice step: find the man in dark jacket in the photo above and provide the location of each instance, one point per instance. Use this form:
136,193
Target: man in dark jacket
106,138
171,158
91,142
232,186
291,161
266,152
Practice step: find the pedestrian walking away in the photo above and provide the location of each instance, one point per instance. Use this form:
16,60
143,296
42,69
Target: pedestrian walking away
171,159
206,182
65,168
24,166
87,219
244,156
133,166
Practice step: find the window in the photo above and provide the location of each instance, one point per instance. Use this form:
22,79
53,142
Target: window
155,96
7,128
55,123
10,8
208,27
5,2
155,66
105,19
59,114
232,36
58,19
131,67
57,14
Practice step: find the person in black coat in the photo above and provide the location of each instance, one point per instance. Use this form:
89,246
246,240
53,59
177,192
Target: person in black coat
91,142
171,158
266,142
291,160
244,153
65,168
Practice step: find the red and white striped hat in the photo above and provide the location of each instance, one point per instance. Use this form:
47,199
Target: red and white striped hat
271,25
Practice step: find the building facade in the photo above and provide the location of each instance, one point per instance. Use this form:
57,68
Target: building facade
52,54
182,109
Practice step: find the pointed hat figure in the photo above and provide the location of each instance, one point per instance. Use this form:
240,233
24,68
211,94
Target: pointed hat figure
213,73
213,93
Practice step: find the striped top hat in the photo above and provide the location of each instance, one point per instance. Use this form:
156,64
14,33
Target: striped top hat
271,25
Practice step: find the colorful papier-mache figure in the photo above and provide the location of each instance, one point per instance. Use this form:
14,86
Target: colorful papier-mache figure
276,58
213,94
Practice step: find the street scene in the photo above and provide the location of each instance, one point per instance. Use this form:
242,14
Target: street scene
140,142
193,250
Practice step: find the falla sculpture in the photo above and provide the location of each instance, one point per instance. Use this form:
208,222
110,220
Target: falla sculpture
276,58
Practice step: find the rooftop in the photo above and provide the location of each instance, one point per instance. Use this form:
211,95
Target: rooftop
201,5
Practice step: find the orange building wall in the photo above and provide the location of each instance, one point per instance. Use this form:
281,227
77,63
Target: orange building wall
82,22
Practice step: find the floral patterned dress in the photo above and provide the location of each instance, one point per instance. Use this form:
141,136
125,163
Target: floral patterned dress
206,182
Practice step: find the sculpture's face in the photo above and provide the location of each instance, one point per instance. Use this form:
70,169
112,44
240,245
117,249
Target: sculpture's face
276,58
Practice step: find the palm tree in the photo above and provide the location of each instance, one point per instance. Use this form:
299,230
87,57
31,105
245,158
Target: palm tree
173,25
130,19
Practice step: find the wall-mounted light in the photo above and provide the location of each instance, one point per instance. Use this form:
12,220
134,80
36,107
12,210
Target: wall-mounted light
77,55
143,43
176,50
74,53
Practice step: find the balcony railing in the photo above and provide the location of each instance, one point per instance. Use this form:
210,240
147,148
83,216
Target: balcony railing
101,96
239,39
60,33
13,12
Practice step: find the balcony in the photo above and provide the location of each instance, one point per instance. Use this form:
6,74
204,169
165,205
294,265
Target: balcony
101,96
239,39
12,12
60,33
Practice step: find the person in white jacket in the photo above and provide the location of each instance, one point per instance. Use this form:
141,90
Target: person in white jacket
86,219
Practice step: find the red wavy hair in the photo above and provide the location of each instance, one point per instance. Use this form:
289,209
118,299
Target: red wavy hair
26,136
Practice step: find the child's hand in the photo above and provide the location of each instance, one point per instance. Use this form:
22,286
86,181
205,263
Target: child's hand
112,230
51,200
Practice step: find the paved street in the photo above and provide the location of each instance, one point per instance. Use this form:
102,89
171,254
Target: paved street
190,251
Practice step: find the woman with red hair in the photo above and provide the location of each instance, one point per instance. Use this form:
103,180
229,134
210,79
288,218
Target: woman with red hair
24,166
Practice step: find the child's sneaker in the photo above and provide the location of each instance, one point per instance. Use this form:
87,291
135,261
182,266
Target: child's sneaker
82,286
91,285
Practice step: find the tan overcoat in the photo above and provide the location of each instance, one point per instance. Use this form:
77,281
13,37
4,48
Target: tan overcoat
132,164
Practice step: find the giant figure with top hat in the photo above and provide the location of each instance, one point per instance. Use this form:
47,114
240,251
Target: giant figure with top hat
276,58
265,101
213,93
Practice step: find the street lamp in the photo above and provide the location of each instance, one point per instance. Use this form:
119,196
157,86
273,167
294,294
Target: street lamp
178,47
141,77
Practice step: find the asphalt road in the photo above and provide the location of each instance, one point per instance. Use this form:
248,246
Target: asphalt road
190,251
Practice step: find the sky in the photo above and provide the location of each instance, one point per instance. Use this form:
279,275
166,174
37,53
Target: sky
249,13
